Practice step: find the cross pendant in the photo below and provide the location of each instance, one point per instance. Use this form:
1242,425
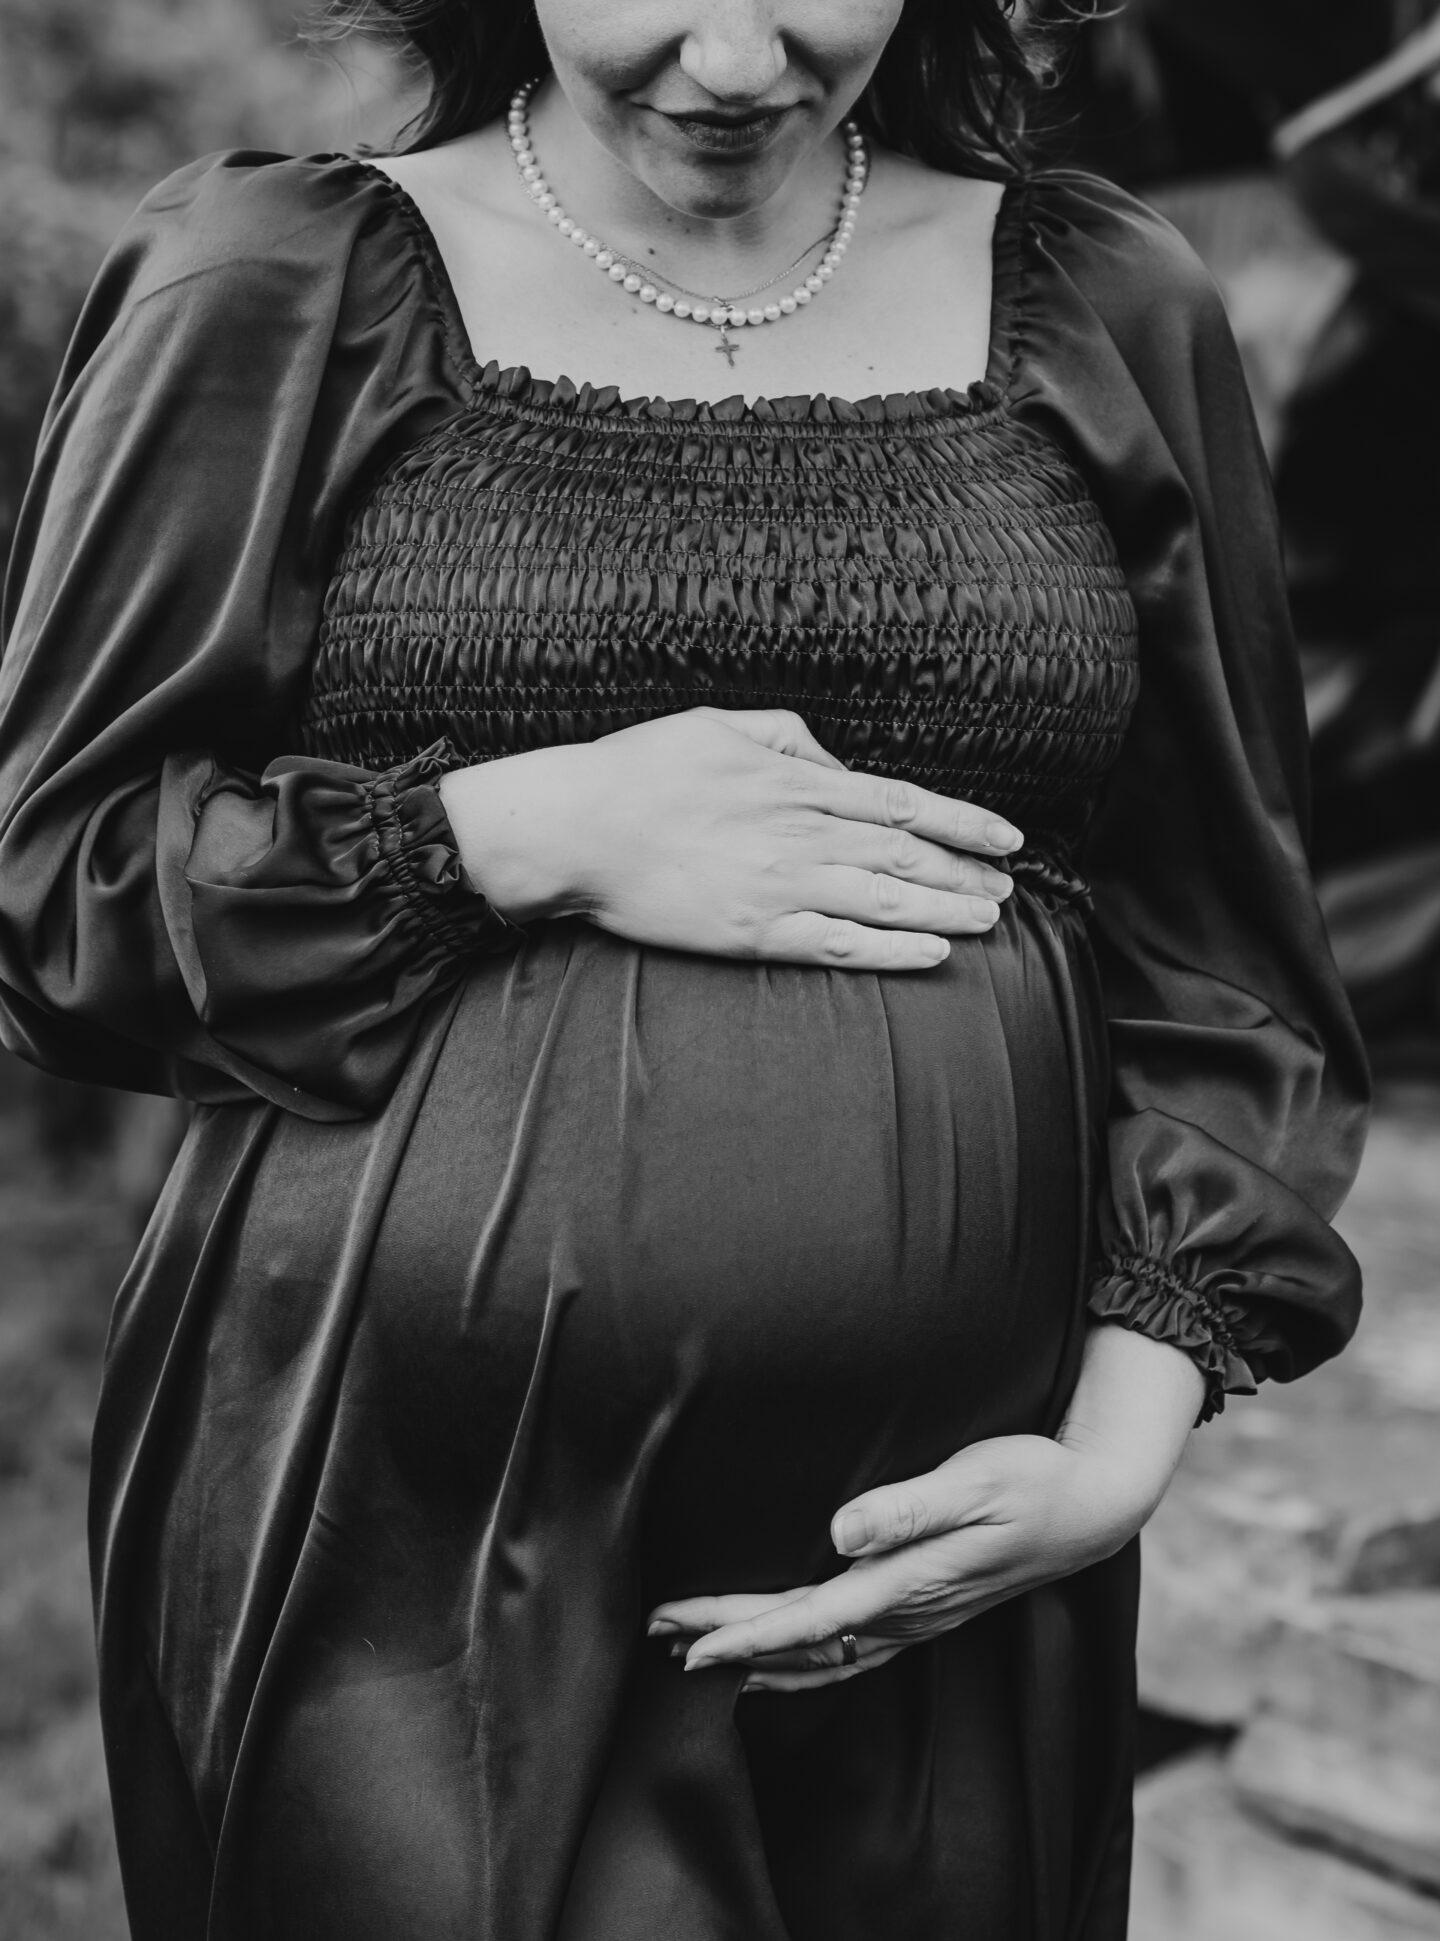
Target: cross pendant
727,349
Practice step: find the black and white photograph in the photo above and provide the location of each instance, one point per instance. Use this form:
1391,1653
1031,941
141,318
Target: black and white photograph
720,970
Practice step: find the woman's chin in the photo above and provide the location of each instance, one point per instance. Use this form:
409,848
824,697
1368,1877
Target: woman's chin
713,184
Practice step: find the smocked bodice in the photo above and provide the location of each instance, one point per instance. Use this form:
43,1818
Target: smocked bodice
923,578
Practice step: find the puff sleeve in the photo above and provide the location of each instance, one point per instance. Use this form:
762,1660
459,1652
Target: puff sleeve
1238,1084
186,902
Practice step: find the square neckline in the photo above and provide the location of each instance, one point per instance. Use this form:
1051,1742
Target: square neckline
516,381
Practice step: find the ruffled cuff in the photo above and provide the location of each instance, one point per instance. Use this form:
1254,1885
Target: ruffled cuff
312,916
1202,1248
1144,1295
417,847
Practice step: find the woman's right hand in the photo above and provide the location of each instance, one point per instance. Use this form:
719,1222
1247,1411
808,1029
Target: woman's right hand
733,833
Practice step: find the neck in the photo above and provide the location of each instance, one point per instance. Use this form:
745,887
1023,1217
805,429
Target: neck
705,253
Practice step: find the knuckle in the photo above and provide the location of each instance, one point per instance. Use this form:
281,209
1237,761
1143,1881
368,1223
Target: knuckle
907,1518
754,935
888,894
785,728
797,781
838,938
796,827
900,802
904,852
748,923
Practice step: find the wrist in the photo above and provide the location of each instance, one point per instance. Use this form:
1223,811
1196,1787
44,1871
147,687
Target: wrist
518,823
1132,1411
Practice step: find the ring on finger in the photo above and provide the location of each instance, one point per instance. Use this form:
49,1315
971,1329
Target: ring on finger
849,1648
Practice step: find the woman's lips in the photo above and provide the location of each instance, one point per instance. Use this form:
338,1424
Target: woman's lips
730,137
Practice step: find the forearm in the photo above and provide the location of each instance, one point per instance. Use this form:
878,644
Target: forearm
1133,1408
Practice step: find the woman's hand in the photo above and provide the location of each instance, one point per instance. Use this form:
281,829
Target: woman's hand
731,832
1000,1518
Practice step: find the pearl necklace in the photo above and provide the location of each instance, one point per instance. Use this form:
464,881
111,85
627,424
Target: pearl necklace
718,313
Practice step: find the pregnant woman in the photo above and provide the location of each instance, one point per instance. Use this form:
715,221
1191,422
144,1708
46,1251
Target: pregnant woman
673,712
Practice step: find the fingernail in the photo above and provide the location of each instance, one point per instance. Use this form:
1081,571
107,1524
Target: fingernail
661,1628
678,1650
1000,835
851,1531
986,911
995,883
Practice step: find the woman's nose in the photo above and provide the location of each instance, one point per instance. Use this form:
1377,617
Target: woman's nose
734,50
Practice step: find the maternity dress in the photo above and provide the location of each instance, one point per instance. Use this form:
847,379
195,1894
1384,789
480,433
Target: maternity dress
511,1282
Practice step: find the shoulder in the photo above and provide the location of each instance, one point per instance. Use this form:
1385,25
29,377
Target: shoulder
1131,266
252,248
243,207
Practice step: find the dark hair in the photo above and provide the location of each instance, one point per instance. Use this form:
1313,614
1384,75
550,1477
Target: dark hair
956,87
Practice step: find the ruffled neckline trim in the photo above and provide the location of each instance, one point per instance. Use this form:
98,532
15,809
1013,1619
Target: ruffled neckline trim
516,385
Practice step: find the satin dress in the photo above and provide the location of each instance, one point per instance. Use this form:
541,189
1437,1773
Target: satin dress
511,1282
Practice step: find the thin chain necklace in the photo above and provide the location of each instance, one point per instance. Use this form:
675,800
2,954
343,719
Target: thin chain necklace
716,313
740,295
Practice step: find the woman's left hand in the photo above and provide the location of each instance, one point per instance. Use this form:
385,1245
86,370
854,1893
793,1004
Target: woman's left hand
999,1518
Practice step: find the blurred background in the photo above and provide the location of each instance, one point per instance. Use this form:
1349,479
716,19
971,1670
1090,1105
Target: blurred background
1290,1648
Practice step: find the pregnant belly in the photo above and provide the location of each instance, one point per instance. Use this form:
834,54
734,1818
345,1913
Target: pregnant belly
745,1237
